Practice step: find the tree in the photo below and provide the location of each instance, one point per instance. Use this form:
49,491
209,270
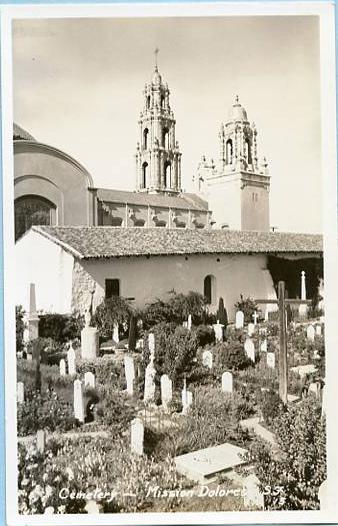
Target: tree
20,327
299,468
222,314
247,306
110,311
132,333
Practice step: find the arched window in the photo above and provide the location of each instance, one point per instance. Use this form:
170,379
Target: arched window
145,138
162,101
229,151
167,175
248,151
165,138
210,289
144,175
33,210
148,102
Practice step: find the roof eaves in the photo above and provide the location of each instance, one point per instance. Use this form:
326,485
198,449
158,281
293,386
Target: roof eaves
65,246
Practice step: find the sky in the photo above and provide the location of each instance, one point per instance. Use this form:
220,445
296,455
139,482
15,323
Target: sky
77,85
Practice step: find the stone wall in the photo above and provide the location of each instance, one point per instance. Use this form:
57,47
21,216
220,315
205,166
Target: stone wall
83,288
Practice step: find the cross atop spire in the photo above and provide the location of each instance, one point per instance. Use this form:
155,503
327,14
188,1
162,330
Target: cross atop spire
156,53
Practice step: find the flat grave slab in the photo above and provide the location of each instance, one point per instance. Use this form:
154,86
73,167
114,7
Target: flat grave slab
205,464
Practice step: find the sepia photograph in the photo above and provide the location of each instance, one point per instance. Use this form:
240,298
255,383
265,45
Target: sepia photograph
167,263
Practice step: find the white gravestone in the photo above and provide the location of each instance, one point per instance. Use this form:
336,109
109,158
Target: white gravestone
252,494
314,388
302,309
271,360
149,381
62,366
89,340
227,382
239,322
71,361
166,391
40,441
92,507
310,333
186,400
189,324
33,318
251,329
249,348
255,317
264,345
129,370
89,379
116,338
218,329
207,359
266,316
78,401
20,390
137,436
318,330
29,357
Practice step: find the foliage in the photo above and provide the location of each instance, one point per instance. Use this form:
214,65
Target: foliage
114,410
112,310
177,310
61,327
50,376
222,314
20,327
44,411
247,306
47,349
205,335
230,356
300,468
271,406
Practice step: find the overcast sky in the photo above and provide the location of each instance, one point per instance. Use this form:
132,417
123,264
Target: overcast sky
78,86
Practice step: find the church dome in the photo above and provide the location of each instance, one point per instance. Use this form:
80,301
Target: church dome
156,78
21,134
237,112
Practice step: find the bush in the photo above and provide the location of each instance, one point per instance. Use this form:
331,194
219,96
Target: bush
231,357
176,310
44,411
114,410
61,327
300,467
247,306
110,311
20,327
271,406
45,349
205,335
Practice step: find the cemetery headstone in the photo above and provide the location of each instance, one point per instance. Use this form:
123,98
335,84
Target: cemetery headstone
315,389
310,333
318,330
129,370
252,494
62,366
227,382
303,308
78,401
255,317
29,357
92,507
40,441
20,391
71,361
251,329
166,391
271,360
149,381
116,337
137,436
186,400
89,379
218,329
249,348
207,359
189,324
239,321
264,345
33,318
90,347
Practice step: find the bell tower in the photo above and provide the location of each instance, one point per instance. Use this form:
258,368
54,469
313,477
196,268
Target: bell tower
237,185
158,159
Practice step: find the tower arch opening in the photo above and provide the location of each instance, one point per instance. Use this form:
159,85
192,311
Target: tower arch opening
229,151
247,152
209,289
144,174
145,138
167,174
165,138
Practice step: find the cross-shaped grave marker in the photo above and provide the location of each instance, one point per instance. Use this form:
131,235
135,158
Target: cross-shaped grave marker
282,303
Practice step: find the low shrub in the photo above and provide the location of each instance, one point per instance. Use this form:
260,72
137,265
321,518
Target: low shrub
46,349
205,335
247,306
114,410
230,357
271,406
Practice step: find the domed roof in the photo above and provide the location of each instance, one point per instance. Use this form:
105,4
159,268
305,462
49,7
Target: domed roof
237,112
21,134
156,78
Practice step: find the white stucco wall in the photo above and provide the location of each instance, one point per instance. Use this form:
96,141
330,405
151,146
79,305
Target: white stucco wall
147,279
39,261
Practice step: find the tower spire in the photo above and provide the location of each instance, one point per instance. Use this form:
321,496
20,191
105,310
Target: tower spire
156,57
